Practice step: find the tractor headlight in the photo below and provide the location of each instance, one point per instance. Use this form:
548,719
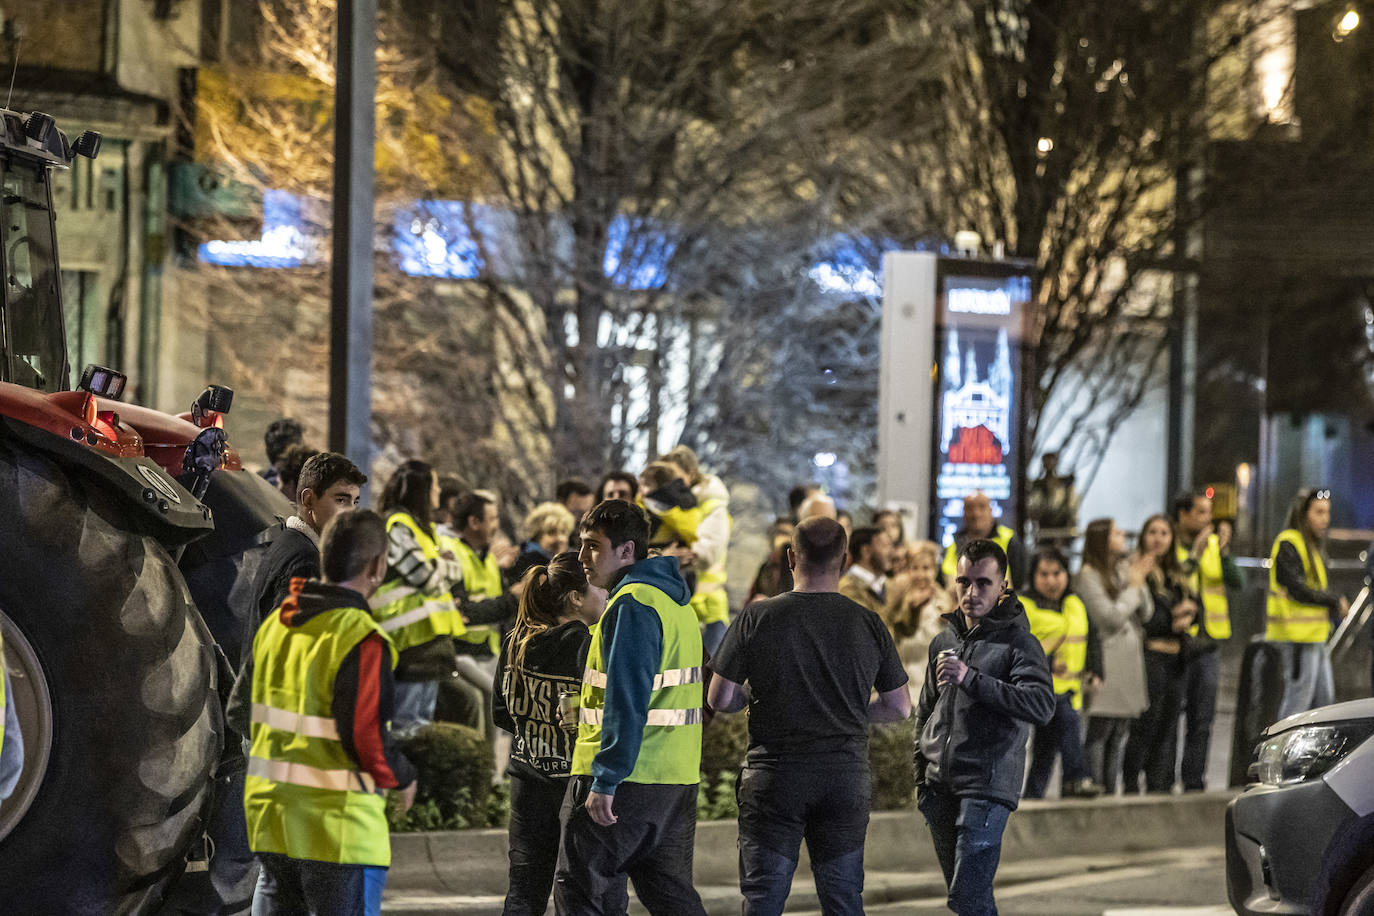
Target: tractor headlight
1305,753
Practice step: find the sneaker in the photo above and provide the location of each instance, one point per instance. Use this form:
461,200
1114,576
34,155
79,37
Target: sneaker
1084,788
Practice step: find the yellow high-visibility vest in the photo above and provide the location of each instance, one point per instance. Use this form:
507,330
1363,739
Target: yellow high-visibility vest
304,797
950,568
1065,633
671,751
407,615
1290,620
1216,611
481,579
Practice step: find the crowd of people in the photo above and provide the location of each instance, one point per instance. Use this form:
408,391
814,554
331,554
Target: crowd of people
602,640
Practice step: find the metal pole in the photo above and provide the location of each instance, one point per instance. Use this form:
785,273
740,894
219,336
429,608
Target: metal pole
350,342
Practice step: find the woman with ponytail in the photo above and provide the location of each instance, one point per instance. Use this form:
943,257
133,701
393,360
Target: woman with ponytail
541,658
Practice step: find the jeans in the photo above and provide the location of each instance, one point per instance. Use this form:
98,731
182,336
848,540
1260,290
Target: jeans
478,677
711,636
1148,747
1307,679
534,806
651,843
1105,748
414,704
1060,737
826,806
301,887
967,833
1199,709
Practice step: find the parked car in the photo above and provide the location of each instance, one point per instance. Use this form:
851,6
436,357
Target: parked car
1300,839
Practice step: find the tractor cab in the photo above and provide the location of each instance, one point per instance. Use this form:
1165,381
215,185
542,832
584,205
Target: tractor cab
32,338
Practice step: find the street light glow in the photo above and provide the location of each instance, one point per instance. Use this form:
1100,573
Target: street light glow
1349,23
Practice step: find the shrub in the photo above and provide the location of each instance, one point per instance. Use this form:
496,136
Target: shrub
723,745
455,790
716,799
889,756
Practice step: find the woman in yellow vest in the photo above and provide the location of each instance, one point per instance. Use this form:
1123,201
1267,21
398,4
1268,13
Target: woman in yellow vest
1060,621
1301,609
414,605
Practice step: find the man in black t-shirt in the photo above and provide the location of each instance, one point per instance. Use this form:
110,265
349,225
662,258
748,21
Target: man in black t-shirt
811,658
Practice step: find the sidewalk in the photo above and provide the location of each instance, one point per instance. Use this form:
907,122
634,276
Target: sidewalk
879,887
465,872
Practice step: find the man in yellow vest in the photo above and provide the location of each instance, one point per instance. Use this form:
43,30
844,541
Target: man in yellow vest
483,600
320,696
630,810
1205,556
979,524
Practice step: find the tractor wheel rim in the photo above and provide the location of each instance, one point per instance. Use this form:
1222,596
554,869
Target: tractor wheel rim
33,704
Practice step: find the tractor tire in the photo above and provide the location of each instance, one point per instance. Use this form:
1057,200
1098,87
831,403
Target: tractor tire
122,701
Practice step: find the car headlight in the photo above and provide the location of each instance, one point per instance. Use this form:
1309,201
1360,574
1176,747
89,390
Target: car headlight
1305,753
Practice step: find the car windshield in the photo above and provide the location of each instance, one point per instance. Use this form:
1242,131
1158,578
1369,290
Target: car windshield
34,350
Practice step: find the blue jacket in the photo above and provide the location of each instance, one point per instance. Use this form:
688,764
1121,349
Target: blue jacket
632,647
12,751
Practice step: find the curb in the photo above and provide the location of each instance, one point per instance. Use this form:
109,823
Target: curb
474,862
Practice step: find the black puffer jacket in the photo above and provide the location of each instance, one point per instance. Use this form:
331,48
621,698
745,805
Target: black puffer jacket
971,739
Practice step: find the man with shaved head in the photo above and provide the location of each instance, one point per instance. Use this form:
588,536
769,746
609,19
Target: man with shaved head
811,659
979,524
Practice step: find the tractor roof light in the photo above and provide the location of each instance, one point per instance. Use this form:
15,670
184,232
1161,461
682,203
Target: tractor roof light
209,409
37,126
103,382
88,144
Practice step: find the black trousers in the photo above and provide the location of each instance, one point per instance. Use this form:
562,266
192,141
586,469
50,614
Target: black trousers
534,830
826,806
1148,748
651,843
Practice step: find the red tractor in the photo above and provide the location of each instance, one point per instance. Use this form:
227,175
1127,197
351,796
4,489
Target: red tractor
121,530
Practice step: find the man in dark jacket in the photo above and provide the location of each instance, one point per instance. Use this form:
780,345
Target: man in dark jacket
329,484
987,682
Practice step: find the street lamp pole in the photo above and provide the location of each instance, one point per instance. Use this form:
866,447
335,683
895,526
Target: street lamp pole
350,341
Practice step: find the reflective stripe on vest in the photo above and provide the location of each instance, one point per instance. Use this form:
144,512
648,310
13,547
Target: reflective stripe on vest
950,568
655,717
1290,620
673,678
481,579
304,797
298,774
671,750
1216,611
409,616
283,720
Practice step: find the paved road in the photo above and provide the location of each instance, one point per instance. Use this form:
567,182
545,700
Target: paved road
1184,883
1195,886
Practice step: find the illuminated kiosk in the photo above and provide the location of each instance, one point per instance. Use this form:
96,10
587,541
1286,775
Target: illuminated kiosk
950,405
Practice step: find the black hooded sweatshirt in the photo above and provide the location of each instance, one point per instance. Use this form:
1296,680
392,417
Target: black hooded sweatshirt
971,738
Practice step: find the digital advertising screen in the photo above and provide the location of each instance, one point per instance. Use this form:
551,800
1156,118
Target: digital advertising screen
978,415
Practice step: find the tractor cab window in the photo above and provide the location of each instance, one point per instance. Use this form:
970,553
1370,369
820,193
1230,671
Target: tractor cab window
34,348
